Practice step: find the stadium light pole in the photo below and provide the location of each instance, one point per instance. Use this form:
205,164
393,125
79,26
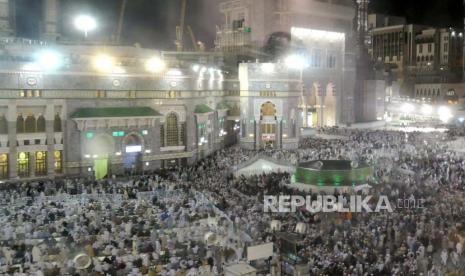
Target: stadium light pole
85,24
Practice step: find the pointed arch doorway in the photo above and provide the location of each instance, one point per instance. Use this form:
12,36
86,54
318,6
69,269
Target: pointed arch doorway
132,157
268,125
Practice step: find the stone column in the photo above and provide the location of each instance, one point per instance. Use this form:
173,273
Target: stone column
12,140
32,164
155,133
257,134
50,19
180,140
278,133
191,129
50,134
5,28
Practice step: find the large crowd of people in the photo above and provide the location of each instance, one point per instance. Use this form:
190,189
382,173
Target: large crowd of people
197,219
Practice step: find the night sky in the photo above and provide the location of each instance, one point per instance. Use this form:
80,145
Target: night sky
152,23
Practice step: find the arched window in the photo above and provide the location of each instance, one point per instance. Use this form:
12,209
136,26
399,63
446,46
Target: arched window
20,124
268,109
41,124
3,125
30,124
57,123
172,133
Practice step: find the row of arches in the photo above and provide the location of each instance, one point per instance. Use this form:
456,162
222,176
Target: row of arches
428,92
172,132
31,124
425,58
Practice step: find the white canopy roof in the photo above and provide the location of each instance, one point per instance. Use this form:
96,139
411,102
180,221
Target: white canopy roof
262,165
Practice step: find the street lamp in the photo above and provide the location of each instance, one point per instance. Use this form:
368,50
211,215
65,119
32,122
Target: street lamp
85,24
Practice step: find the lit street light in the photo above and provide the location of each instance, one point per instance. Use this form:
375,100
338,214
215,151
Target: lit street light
85,24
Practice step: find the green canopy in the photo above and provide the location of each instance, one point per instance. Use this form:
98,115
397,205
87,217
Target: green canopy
202,108
105,112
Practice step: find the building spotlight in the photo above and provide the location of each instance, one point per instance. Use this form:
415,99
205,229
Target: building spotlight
426,109
444,114
104,63
49,60
267,68
85,24
296,62
155,65
407,108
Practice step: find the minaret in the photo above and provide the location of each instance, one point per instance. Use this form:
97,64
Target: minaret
50,19
363,60
5,28
362,22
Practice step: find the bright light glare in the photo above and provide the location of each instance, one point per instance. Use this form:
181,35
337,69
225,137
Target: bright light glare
195,68
174,72
104,63
32,66
130,149
155,65
296,62
268,68
408,108
444,114
85,23
49,60
119,70
426,109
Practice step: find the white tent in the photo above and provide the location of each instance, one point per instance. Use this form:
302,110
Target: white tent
263,165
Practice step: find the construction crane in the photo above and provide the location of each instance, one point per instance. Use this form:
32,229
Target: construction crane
198,46
194,41
180,28
120,21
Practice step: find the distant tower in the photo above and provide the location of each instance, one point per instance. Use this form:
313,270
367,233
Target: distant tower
364,71
5,28
49,19
362,24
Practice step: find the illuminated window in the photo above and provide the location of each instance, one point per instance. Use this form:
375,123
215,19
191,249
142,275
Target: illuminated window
30,124
3,166
172,133
23,164
41,124
20,124
58,161
57,123
268,128
41,163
